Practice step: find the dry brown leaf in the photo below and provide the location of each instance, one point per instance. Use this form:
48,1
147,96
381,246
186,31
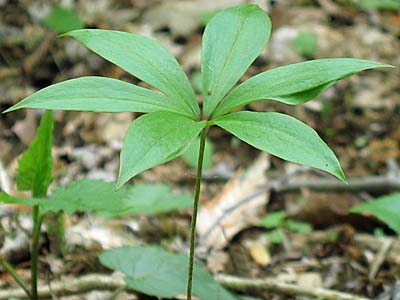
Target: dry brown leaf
236,207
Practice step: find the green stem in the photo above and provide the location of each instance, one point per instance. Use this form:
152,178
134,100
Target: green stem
16,277
37,222
194,214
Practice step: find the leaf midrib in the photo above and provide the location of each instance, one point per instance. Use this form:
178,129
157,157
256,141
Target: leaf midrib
165,77
112,98
279,136
242,22
224,104
158,142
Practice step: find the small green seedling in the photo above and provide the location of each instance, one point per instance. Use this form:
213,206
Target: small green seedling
232,40
306,44
278,221
62,20
385,208
86,195
34,174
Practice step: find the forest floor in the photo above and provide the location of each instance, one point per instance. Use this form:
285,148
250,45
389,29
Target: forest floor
320,245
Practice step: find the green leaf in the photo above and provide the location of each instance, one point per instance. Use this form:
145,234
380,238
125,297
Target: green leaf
207,16
89,195
379,233
274,219
98,94
298,226
6,198
192,154
145,59
63,19
385,208
154,139
282,136
151,199
153,271
35,166
83,195
98,196
275,236
295,83
231,42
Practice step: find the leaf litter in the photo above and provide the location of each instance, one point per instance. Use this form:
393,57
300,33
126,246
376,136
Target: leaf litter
370,113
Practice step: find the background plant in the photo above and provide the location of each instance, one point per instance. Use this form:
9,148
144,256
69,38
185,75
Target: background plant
386,208
232,40
63,19
278,221
86,195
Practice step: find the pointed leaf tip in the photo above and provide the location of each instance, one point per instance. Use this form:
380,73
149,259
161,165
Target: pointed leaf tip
343,177
97,94
231,42
35,166
283,136
145,59
295,83
8,110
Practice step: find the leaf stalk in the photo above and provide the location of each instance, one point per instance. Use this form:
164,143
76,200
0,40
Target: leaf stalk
195,209
37,222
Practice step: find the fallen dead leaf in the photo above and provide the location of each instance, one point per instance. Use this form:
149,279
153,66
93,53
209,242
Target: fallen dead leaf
236,207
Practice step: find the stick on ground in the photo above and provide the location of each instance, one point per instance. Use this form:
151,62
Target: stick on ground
91,282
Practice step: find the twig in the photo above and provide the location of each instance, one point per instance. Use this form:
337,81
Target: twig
367,184
68,287
288,183
9,72
364,240
380,258
272,285
34,58
105,282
